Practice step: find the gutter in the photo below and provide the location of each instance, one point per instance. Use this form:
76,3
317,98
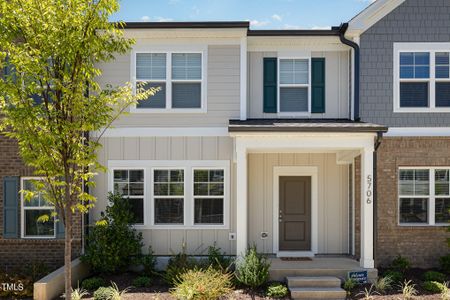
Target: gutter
375,194
342,29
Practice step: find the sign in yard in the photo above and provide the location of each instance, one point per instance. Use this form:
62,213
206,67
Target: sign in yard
358,276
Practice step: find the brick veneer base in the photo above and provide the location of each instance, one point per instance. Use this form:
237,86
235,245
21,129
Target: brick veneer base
421,245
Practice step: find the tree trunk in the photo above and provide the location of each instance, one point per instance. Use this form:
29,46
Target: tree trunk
68,253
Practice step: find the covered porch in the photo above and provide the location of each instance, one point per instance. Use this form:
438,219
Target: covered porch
295,186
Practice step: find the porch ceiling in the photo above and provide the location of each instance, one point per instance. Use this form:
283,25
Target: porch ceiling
303,125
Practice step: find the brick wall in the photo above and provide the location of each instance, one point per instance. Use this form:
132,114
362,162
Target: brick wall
17,253
422,245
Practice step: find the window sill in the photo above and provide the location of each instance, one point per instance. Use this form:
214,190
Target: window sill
422,110
293,114
425,226
181,227
168,110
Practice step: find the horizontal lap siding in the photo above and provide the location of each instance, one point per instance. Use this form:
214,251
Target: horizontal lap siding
333,199
223,86
164,241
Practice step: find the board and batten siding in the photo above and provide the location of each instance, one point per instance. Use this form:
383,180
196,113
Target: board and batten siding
337,83
223,88
165,241
332,196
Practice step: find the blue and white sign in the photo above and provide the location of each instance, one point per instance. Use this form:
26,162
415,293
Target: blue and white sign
358,276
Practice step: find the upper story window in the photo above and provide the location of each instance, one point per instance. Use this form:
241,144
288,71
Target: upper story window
294,85
421,77
180,77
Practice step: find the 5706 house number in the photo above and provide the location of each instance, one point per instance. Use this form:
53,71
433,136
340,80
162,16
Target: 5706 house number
369,189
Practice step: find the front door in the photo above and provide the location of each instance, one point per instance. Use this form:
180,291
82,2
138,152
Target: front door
295,213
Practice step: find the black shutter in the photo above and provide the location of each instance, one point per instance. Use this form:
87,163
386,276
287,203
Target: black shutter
270,84
318,85
11,207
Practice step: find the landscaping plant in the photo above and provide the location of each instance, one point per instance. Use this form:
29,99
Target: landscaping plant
277,290
434,276
395,276
52,50
148,261
78,294
400,264
445,263
93,283
434,286
383,284
142,281
113,243
115,293
408,290
368,294
349,285
102,293
209,284
178,265
218,260
445,293
253,270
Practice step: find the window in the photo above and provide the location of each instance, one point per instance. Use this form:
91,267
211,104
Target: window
32,210
421,77
130,184
208,196
168,193
424,196
294,85
178,75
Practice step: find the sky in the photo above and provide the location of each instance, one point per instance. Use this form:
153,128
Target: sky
262,14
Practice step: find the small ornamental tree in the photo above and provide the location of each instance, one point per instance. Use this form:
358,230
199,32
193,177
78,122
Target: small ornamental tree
49,97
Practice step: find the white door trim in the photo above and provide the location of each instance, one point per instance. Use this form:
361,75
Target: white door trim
296,171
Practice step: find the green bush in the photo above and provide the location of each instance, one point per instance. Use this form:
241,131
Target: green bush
395,276
445,263
217,259
277,290
93,283
178,265
142,281
113,244
349,284
434,276
400,264
103,293
434,286
209,284
253,271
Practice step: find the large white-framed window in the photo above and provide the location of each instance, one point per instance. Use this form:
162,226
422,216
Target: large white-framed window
424,196
130,183
33,209
421,77
180,73
182,194
294,86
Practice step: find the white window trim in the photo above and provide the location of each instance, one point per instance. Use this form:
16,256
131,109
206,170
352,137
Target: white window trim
203,50
111,189
22,213
149,165
279,86
432,48
431,198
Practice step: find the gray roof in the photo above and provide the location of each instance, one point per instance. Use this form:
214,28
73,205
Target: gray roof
303,125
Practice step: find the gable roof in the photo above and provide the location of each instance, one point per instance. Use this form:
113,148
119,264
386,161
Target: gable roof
371,15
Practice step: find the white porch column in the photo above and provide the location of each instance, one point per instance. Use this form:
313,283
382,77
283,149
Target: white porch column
367,236
241,200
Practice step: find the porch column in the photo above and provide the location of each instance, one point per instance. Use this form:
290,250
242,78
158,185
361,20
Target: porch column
241,200
367,235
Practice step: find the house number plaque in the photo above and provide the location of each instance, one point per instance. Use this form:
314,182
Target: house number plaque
369,189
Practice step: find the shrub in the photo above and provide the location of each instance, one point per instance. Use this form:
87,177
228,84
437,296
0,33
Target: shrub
434,276
142,281
277,290
408,290
148,261
349,284
93,283
77,294
209,284
113,243
217,259
178,265
102,293
433,286
395,276
253,271
383,284
445,263
400,264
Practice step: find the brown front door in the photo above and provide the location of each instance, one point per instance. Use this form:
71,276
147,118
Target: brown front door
295,213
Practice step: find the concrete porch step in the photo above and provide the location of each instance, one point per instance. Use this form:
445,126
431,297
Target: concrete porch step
318,293
313,281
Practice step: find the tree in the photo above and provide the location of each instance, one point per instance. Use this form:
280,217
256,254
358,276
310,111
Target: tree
50,99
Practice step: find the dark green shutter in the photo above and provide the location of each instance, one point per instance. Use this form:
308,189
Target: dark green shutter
60,229
318,85
270,84
11,207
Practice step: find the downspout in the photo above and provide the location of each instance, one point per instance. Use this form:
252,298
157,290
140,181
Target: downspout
375,193
342,29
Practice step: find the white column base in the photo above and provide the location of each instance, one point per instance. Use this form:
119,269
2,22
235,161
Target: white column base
367,263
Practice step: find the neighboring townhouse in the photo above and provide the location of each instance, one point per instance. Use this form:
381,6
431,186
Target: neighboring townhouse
405,85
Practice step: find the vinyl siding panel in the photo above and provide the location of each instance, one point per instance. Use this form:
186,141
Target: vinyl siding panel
170,241
332,197
223,86
336,84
